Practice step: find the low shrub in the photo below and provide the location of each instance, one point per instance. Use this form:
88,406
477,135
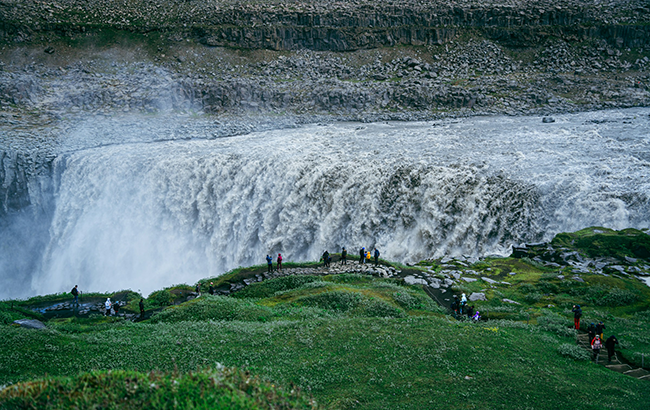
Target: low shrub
380,308
161,298
215,308
617,297
5,318
335,300
557,324
573,351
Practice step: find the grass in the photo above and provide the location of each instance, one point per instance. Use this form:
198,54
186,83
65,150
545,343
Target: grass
220,388
349,341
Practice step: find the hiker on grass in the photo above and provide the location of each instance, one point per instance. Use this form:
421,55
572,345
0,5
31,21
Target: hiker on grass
577,314
470,311
599,329
344,256
596,344
367,257
376,255
591,331
108,306
211,289
116,308
279,262
75,293
141,308
269,263
197,289
610,344
362,255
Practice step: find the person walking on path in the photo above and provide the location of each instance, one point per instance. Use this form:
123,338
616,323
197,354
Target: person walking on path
107,306
454,306
599,329
211,289
463,303
75,293
344,256
610,344
269,263
279,262
577,314
376,255
591,330
141,308
362,255
197,289
596,344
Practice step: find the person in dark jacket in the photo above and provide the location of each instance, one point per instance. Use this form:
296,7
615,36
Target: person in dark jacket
376,255
591,330
599,329
610,344
75,293
197,289
344,256
141,308
211,289
577,314
326,258
454,306
362,255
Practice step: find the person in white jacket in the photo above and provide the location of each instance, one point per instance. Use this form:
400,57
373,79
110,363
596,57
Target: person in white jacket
463,303
108,306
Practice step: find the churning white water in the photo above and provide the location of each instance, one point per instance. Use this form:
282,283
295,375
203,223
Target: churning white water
148,215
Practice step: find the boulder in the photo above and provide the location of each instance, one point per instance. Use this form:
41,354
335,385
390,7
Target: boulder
30,323
510,301
477,296
412,280
469,279
488,280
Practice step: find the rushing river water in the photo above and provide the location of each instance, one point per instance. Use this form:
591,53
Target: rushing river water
144,215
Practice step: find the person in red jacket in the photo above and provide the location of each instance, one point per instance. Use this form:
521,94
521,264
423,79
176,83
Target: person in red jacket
279,261
596,345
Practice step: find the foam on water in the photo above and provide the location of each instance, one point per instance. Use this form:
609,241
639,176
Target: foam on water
147,215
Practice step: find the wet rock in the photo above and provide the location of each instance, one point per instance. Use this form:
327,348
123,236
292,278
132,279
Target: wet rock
477,296
30,323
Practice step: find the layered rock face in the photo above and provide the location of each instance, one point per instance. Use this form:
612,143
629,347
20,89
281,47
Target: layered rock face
335,26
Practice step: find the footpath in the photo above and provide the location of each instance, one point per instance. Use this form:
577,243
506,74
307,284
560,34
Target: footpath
616,365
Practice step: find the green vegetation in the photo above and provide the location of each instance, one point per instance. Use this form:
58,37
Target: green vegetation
119,389
607,242
348,340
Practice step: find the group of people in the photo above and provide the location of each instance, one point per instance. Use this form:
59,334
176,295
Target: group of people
596,337
364,256
269,262
460,308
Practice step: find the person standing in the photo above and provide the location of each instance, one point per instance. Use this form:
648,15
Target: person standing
376,255
610,344
344,256
454,306
211,289
269,263
599,329
197,290
75,293
279,262
596,344
141,308
591,331
362,255
463,303
577,314
107,306
326,258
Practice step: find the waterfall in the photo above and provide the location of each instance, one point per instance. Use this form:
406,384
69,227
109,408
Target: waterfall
151,214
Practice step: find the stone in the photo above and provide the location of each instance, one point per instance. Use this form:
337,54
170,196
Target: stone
435,283
578,278
630,260
30,323
469,280
488,280
412,280
510,301
477,296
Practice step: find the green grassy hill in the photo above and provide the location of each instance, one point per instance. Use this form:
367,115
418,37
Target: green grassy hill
348,341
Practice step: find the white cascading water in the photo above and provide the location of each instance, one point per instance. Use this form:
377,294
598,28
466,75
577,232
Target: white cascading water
148,215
